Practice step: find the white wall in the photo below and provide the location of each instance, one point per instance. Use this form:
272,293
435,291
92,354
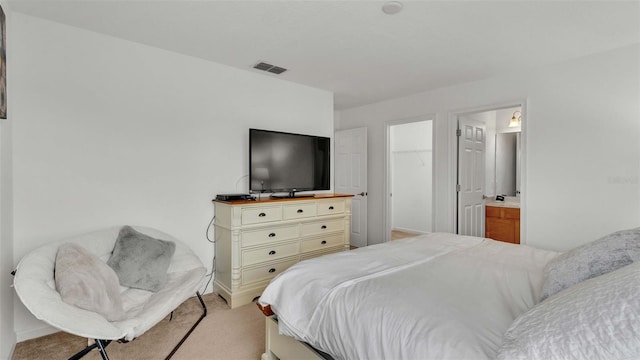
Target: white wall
112,132
7,334
581,136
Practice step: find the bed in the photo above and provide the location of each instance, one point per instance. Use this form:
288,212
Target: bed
445,296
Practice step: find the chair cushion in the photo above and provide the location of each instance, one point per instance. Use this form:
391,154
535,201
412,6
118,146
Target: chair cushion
141,261
83,280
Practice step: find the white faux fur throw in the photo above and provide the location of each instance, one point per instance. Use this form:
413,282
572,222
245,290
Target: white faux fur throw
85,281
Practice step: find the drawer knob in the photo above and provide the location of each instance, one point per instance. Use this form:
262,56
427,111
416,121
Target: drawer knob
272,252
300,211
262,215
272,270
330,207
272,234
323,242
323,227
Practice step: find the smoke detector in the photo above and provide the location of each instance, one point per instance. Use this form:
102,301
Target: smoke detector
392,7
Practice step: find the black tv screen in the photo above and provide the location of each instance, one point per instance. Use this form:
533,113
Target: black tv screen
286,162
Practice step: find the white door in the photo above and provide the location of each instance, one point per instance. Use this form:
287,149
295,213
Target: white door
471,175
351,178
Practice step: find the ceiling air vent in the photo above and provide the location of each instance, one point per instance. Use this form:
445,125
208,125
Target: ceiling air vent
269,68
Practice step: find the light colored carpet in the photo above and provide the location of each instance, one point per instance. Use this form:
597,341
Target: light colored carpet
222,334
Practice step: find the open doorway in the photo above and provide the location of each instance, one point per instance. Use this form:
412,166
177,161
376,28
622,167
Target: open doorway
409,178
489,154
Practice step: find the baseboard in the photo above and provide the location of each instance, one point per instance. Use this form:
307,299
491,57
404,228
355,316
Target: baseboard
35,333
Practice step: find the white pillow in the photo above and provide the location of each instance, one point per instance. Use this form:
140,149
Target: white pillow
85,281
598,318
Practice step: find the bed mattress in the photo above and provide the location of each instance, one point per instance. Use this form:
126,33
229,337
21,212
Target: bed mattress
437,295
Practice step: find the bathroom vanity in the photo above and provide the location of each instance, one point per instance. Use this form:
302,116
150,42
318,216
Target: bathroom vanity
502,221
502,218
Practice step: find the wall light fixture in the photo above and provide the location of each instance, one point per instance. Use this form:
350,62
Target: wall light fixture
515,120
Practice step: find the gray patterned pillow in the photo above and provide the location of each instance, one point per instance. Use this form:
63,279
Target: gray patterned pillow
141,261
596,319
590,260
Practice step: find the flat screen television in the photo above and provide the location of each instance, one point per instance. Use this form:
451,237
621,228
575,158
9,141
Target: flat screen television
286,162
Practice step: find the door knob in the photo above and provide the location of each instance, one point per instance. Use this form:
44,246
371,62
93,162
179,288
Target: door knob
362,193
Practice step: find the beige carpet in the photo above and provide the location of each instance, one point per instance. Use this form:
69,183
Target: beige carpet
222,334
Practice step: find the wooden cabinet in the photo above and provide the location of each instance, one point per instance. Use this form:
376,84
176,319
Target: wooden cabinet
503,224
257,240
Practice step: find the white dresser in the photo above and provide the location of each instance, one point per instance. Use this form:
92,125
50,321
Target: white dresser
257,240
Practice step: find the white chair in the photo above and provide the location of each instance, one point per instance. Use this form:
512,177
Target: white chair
35,285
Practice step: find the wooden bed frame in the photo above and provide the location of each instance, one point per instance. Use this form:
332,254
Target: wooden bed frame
284,347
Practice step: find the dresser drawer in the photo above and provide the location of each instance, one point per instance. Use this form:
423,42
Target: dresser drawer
299,211
255,256
270,235
322,227
315,254
265,272
322,242
261,215
257,240
331,207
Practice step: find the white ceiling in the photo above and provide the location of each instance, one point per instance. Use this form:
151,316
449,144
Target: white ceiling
351,47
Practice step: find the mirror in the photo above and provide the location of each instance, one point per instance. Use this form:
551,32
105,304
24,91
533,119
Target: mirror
507,166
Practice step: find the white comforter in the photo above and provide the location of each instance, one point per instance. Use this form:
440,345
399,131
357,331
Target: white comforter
436,296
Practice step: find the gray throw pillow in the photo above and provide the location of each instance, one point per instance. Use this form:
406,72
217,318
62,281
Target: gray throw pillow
590,260
141,261
85,281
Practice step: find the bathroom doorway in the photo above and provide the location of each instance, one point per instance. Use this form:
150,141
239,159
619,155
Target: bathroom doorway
488,168
409,200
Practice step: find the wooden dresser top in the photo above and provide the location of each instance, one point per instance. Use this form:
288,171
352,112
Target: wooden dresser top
267,199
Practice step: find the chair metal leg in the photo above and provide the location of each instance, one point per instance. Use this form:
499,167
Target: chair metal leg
101,348
100,344
83,352
204,313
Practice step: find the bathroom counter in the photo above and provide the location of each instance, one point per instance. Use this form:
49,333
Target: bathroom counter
509,204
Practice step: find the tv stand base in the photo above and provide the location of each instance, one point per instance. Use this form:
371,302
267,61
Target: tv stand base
292,195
